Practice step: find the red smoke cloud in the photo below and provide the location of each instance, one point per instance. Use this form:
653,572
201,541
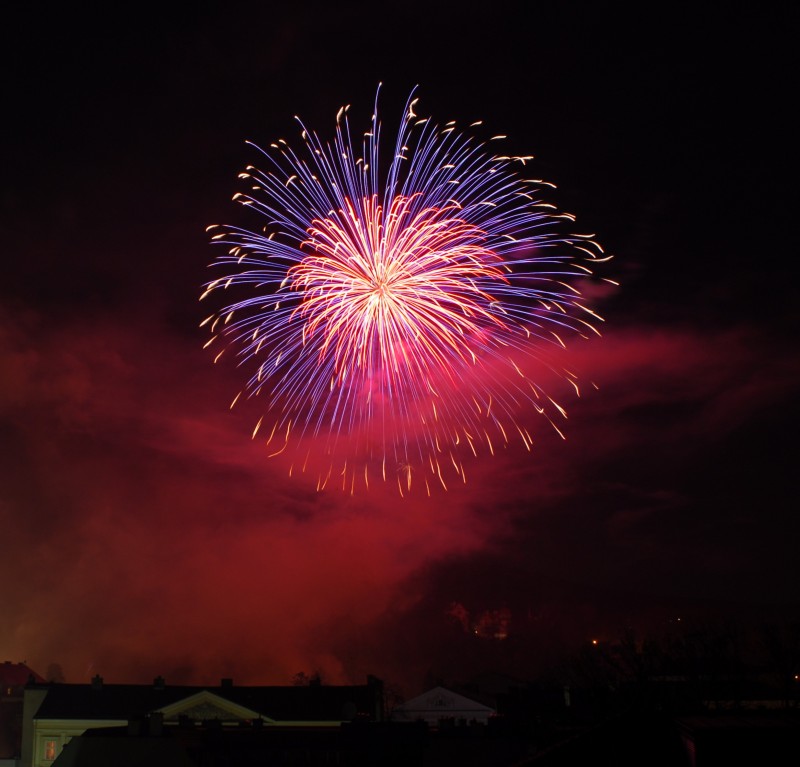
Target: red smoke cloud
149,535
144,533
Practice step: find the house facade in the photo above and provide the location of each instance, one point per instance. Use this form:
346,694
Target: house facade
54,714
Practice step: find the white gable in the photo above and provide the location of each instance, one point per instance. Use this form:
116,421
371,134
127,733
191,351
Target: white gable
207,705
441,703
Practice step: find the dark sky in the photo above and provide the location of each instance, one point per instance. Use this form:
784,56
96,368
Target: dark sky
143,533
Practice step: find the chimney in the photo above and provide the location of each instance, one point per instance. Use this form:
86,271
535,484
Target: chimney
378,701
159,683
97,682
156,723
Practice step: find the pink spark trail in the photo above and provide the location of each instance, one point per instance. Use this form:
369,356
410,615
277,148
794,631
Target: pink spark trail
394,320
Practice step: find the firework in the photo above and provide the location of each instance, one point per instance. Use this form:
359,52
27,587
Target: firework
393,305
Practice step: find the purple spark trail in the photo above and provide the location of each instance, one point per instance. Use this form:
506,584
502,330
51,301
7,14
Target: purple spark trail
392,318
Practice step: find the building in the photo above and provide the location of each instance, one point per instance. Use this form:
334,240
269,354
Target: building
149,743
54,714
745,737
439,705
13,678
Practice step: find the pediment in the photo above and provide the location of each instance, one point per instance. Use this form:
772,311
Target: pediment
443,700
206,705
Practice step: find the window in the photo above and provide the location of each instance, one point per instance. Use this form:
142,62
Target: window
49,750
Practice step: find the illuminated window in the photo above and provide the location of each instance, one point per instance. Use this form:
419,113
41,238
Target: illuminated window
49,750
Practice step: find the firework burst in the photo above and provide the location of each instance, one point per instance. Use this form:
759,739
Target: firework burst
391,308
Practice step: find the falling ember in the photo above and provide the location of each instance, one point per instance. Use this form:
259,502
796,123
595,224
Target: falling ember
392,316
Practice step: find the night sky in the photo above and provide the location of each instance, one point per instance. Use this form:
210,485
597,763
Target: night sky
142,532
